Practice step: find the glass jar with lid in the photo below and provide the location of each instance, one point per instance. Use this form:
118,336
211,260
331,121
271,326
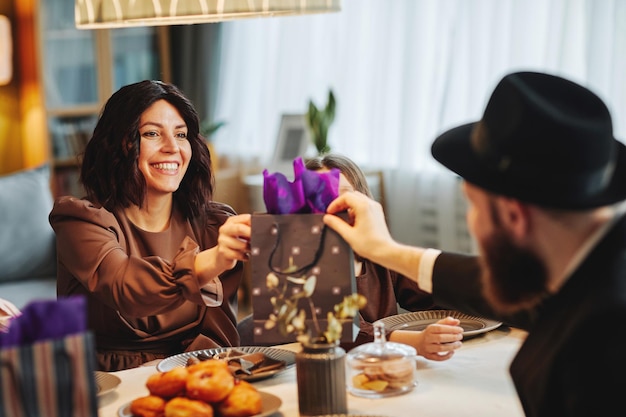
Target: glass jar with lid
381,369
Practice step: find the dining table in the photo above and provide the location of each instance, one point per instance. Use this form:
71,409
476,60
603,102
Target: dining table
475,381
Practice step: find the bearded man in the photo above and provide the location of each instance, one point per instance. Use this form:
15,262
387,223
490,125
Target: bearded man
545,180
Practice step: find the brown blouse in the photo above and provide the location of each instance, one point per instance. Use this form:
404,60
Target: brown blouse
144,300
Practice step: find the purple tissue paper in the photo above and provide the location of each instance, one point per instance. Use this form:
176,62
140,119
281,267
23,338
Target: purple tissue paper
309,192
45,320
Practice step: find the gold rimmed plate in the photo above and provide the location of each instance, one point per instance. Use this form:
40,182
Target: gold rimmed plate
106,382
418,320
287,356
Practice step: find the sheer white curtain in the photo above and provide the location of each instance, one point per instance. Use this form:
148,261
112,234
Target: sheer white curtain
405,70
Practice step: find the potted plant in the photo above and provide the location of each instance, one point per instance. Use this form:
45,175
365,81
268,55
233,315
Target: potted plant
319,121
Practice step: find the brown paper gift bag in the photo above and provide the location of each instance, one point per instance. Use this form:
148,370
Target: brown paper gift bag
302,241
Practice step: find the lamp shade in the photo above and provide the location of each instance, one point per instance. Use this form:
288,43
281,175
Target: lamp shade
98,14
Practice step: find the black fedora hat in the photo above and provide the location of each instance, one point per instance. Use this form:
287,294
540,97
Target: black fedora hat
542,139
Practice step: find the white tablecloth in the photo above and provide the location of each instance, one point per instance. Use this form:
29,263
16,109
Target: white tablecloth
475,382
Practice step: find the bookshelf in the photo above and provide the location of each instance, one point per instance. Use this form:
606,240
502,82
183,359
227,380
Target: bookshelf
80,70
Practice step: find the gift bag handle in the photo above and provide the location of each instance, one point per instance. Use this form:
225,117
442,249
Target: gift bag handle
316,258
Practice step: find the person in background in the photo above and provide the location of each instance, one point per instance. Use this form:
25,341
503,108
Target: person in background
7,312
386,289
157,259
546,182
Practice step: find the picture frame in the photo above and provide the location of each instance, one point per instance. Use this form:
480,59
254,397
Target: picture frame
294,138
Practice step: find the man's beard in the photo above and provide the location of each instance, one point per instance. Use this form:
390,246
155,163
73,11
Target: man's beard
513,278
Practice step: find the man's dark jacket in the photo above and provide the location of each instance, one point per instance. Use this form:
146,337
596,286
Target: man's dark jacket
572,362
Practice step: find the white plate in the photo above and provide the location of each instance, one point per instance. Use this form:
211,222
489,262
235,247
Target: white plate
418,320
286,356
270,402
106,382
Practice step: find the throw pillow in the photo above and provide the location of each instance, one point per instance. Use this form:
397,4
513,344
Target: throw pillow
27,241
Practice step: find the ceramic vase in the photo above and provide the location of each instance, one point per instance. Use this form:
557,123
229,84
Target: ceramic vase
321,377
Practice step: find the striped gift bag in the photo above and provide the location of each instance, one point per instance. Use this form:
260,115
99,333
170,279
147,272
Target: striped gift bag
49,378
47,362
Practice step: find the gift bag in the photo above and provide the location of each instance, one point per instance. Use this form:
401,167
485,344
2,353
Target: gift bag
290,248
301,270
47,362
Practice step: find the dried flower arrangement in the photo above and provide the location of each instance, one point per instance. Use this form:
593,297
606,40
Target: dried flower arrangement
290,318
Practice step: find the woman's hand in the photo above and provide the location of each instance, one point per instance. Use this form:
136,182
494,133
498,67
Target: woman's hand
7,312
436,342
233,244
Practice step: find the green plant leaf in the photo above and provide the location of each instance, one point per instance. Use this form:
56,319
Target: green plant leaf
320,121
330,107
207,128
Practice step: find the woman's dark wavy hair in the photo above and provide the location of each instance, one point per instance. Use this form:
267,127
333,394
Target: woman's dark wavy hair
110,173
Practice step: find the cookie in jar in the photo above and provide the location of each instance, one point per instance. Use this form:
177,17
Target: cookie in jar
381,368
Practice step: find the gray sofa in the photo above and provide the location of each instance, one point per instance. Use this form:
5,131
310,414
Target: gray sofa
27,242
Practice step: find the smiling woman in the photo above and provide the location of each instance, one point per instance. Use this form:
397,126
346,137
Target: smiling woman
164,154
148,246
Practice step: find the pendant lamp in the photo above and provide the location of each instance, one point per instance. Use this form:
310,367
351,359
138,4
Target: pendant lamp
99,14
